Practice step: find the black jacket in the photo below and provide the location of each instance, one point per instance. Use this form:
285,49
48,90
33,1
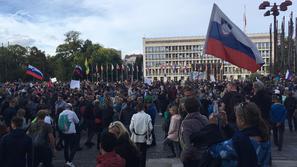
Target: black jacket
128,151
16,149
263,100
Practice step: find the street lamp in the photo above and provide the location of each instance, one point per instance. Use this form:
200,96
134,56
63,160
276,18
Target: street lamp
274,11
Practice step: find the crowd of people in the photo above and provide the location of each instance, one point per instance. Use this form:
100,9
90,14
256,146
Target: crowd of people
224,123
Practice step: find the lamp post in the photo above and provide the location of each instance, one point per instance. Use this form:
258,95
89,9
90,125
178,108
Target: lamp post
274,11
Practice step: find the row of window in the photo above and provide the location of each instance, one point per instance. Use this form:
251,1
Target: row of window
183,48
262,45
164,64
197,55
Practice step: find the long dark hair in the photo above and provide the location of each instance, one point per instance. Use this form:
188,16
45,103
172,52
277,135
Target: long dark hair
251,115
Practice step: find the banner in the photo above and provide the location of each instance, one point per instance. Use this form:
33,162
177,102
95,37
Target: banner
75,84
53,80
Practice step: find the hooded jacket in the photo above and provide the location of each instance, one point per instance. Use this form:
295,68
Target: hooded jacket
192,123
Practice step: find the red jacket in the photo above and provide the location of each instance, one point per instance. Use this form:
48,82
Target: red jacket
110,159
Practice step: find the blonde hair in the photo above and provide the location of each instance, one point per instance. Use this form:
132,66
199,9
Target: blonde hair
174,109
118,128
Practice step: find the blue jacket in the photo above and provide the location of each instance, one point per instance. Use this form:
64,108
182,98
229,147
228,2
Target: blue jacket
152,111
227,153
278,113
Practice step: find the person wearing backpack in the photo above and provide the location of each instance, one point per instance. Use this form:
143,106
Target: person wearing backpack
248,147
66,123
43,141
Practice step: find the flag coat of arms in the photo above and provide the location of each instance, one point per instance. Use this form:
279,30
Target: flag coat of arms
34,72
226,41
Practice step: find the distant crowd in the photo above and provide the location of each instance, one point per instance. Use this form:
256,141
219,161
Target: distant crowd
223,123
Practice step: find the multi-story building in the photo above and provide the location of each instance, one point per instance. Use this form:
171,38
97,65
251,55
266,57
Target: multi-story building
174,58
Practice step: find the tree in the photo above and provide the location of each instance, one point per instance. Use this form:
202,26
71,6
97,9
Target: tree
71,45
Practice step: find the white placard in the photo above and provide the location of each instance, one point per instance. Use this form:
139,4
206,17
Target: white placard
148,81
74,84
53,80
212,78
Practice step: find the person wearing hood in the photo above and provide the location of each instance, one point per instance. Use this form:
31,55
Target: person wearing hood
193,123
16,140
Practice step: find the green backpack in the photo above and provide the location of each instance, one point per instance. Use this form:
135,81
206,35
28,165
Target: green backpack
64,123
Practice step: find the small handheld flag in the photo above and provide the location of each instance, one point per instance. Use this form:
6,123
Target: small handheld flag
34,72
87,67
226,41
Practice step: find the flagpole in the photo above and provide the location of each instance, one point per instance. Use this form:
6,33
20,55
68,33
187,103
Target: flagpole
283,61
295,62
270,50
101,72
122,70
132,73
127,72
112,69
106,72
136,72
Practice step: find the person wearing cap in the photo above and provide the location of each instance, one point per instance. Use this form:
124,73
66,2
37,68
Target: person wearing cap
68,119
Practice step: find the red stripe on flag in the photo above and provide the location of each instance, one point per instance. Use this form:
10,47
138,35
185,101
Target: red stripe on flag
240,59
34,75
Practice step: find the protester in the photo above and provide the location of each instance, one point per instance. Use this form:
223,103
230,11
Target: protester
230,100
172,138
66,122
108,157
278,115
151,110
125,147
262,98
43,141
141,127
16,147
192,123
89,120
60,105
21,114
250,146
127,113
10,111
291,104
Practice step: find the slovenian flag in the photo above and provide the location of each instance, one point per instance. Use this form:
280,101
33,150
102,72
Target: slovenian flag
34,72
226,41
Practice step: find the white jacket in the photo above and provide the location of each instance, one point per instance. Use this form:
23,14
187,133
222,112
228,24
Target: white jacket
141,124
73,119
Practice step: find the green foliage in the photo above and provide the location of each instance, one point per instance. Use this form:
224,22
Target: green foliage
15,58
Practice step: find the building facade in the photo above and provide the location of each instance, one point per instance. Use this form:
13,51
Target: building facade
175,58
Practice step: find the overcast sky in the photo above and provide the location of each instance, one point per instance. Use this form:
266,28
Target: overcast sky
120,24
